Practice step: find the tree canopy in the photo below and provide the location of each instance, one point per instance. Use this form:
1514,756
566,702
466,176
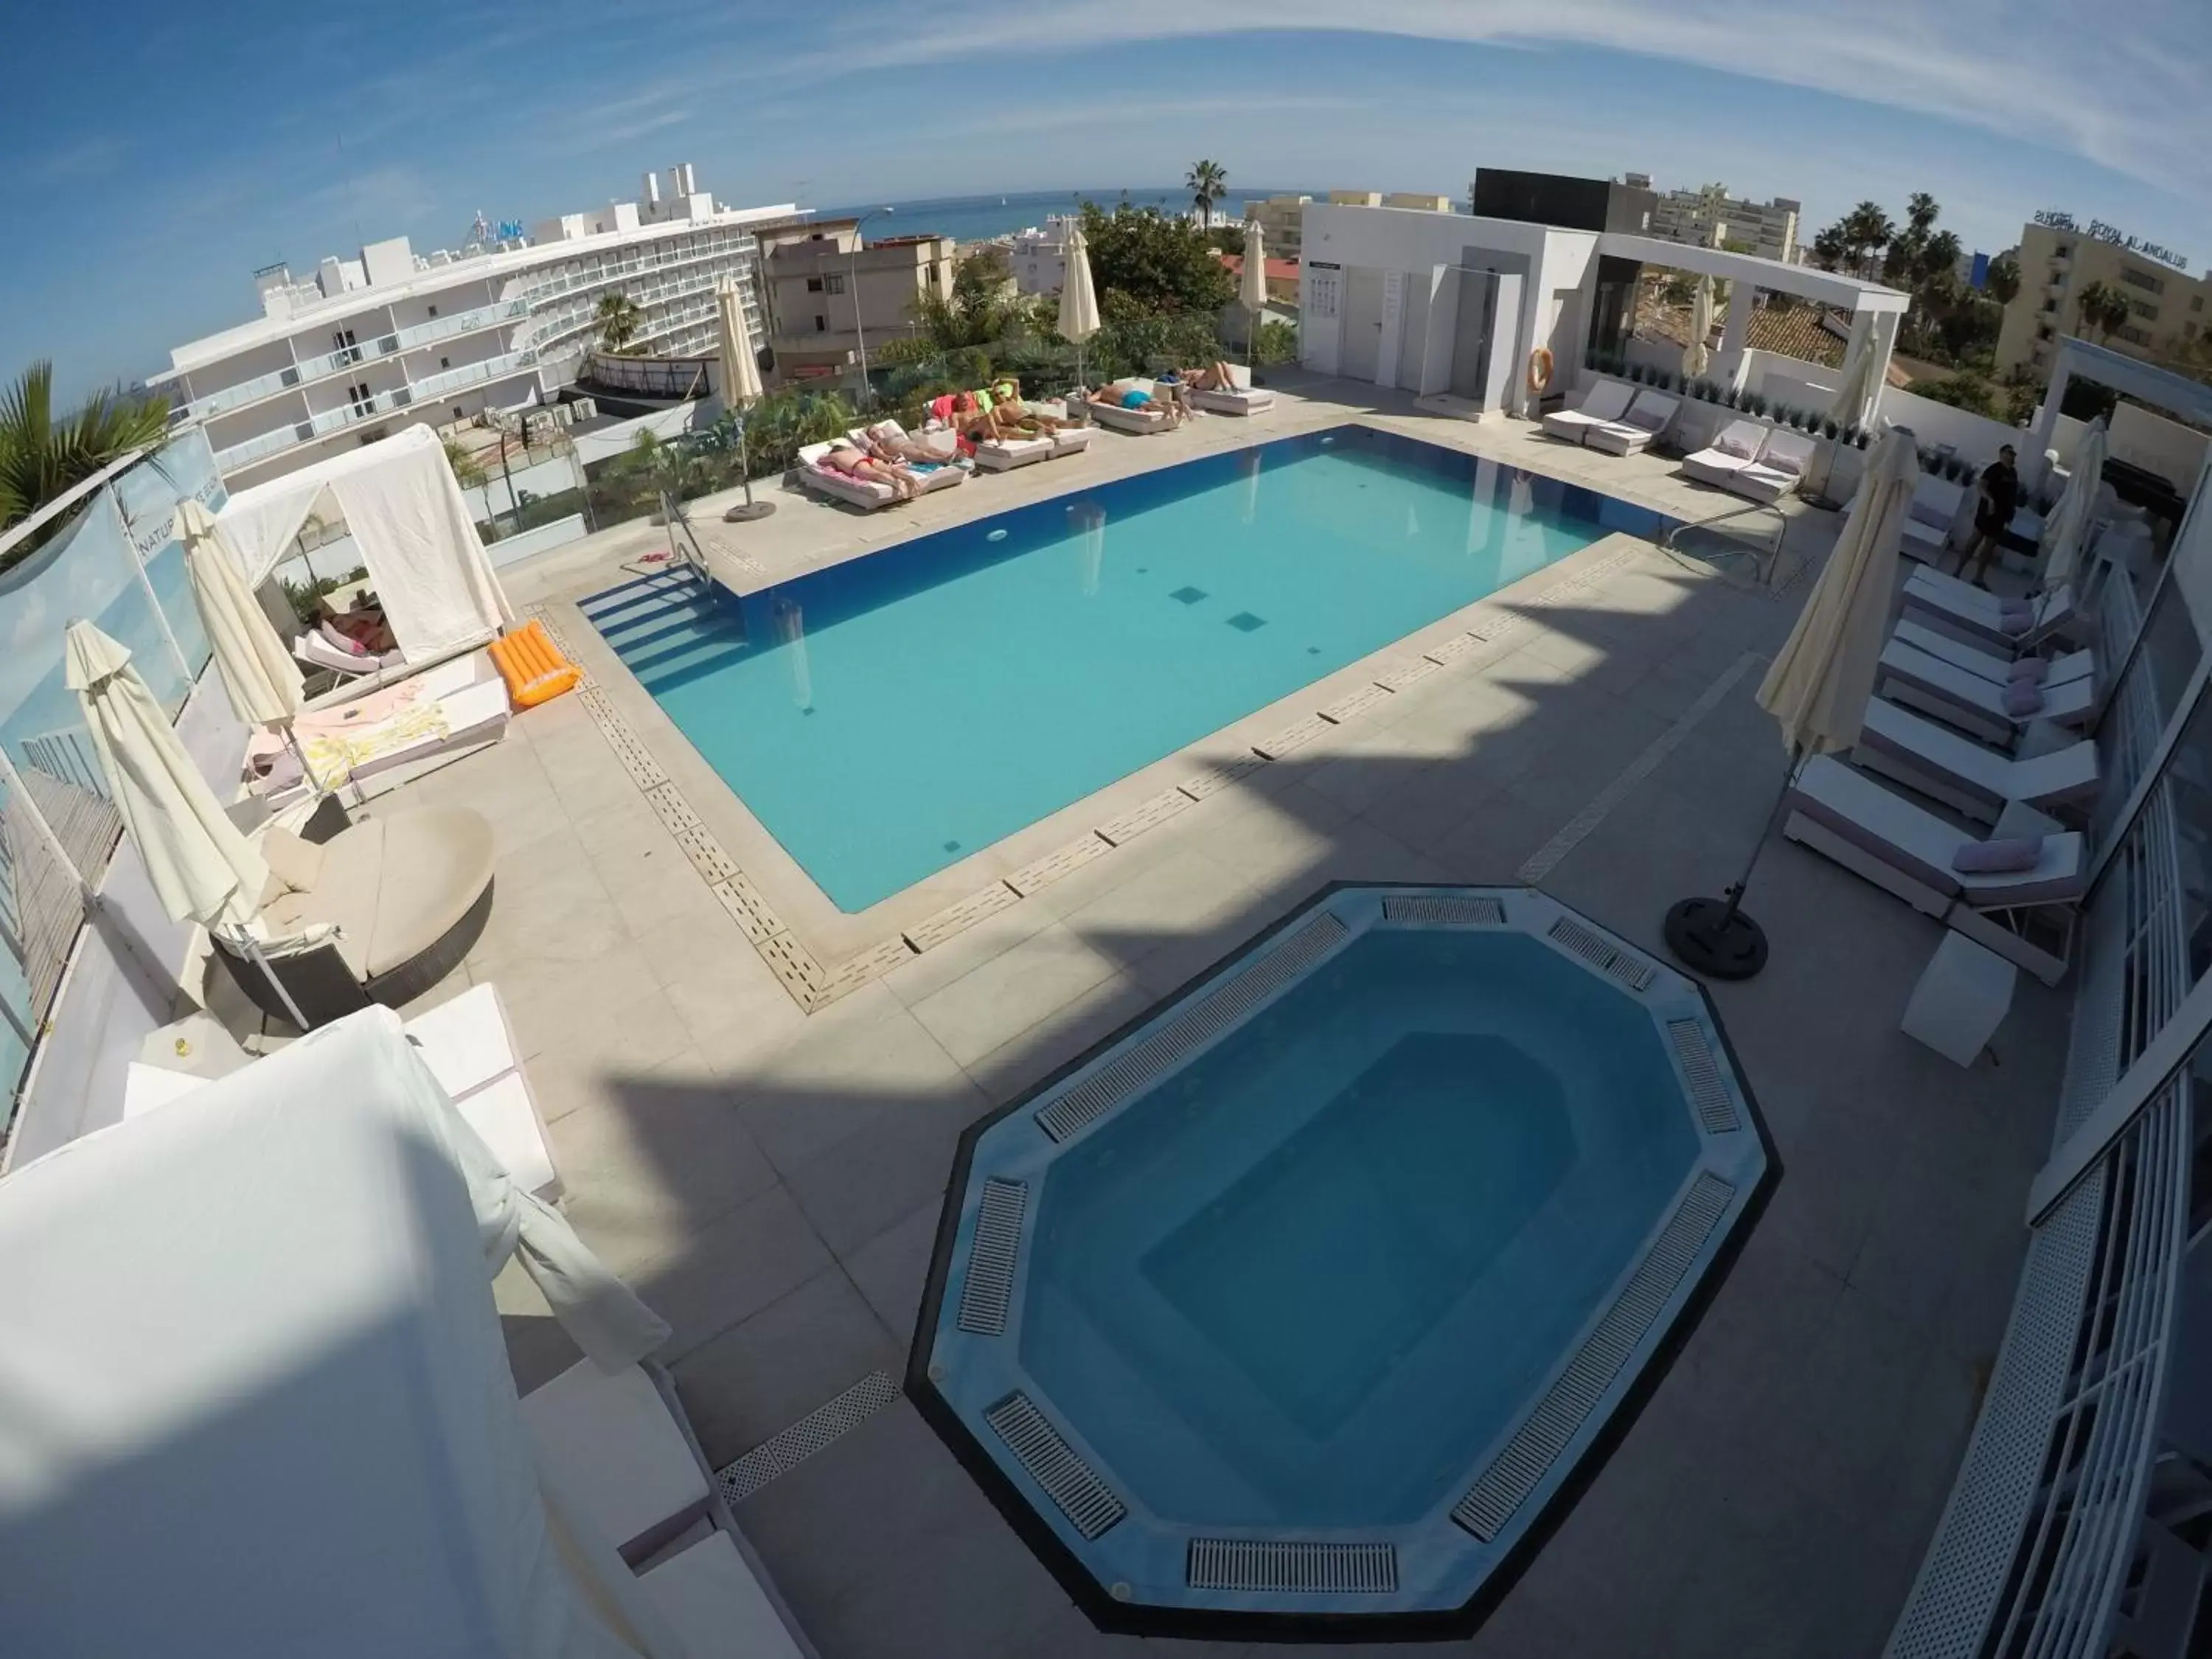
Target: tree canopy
42,457
1141,258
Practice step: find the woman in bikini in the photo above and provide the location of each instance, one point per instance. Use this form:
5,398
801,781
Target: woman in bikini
848,459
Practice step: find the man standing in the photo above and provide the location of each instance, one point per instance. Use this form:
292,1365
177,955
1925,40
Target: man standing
2000,496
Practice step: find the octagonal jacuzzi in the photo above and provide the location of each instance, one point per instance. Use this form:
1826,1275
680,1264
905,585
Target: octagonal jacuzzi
1302,1301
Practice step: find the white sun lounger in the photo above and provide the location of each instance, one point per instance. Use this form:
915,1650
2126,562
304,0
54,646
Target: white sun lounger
1778,471
1993,665
1239,396
1919,679
1651,413
709,1596
1148,417
1735,446
313,649
1606,401
865,493
2025,917
1962,774
1971,613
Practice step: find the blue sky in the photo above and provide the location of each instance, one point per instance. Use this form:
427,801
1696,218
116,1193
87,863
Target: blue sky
161,155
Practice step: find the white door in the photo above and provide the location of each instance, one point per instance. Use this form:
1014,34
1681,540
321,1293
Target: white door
1363,323
1321,324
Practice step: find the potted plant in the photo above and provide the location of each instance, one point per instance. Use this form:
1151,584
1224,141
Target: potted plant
1830,430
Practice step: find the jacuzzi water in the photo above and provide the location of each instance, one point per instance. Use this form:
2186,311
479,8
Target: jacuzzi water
886,717
1308,1281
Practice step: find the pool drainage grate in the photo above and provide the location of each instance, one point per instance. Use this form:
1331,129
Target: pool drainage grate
1593,949
1311,1569
1453,910
987,1293
1073,1486
1708,1088
785,1451
1522,1466
1206,1018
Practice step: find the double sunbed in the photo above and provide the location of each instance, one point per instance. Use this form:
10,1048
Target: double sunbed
1759,462
1611,420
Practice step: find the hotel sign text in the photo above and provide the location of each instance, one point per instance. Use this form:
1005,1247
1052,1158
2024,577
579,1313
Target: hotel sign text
2098,230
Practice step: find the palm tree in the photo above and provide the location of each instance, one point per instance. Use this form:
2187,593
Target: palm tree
2102,308
42,458
1829,249
1207,184
2002,283
1865,228
620,321
1921,213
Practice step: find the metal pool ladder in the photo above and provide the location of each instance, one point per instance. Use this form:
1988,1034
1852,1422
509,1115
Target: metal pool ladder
1767,560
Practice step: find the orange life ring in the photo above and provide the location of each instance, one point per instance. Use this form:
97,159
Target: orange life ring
1540,369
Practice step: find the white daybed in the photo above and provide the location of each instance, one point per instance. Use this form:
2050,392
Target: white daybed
1734,447
1920,679
1606,401
864,493
1964,775
1239,396
1633,433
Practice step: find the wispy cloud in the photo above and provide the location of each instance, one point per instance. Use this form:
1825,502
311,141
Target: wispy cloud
2125,89
77,162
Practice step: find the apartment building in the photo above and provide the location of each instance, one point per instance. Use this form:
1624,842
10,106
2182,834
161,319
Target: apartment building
1709,217
1038,257
829,287
2168,309
363,347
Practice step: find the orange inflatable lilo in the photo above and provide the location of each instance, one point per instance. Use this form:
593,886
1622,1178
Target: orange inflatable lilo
534,671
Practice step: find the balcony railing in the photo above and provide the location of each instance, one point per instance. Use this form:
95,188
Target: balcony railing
312,369
384,403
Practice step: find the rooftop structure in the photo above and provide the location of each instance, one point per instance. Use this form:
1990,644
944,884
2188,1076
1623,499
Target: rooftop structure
1553,198
2167,306
393,338
1943,1394
828,288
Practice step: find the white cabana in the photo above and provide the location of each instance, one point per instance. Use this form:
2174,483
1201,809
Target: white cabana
254,1397
413,530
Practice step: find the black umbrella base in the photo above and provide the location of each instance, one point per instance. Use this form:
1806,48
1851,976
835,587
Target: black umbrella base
746,511
1714,942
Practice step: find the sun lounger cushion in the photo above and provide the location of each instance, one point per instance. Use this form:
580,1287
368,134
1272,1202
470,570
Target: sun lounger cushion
2029,671
1999,856
2062,775
1921,846
2021,700
611,1438
317,652
1606,401
1933,516
711,1601
1735,442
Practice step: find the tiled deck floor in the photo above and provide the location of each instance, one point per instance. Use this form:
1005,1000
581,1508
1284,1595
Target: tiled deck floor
770,1180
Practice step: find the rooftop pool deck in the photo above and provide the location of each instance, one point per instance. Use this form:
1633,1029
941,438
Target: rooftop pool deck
755,1100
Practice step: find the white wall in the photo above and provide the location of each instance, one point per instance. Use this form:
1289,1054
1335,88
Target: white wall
1413,243
543,540
2174,451
2190,557
599,445
1975,438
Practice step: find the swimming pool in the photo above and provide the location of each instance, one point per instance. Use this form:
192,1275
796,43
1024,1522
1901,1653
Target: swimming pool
1302,1300
886,717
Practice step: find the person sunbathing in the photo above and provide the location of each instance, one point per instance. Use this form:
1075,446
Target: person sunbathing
847,458
900,449
1216,376
366,627
1127,394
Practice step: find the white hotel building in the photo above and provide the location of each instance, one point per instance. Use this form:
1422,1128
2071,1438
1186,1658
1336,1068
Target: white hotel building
395,338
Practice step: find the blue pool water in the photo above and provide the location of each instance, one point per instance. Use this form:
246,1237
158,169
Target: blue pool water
888,716
1309,1293
1387,1204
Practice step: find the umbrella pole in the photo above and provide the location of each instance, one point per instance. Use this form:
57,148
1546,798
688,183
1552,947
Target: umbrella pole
1713,937
749,509
252,948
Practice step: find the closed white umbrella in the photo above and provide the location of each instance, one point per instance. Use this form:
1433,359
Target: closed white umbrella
741,381
1695,356
259,674
1857,390
2069,524
1818,688
741,387
203,869
1078,301
1252,290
